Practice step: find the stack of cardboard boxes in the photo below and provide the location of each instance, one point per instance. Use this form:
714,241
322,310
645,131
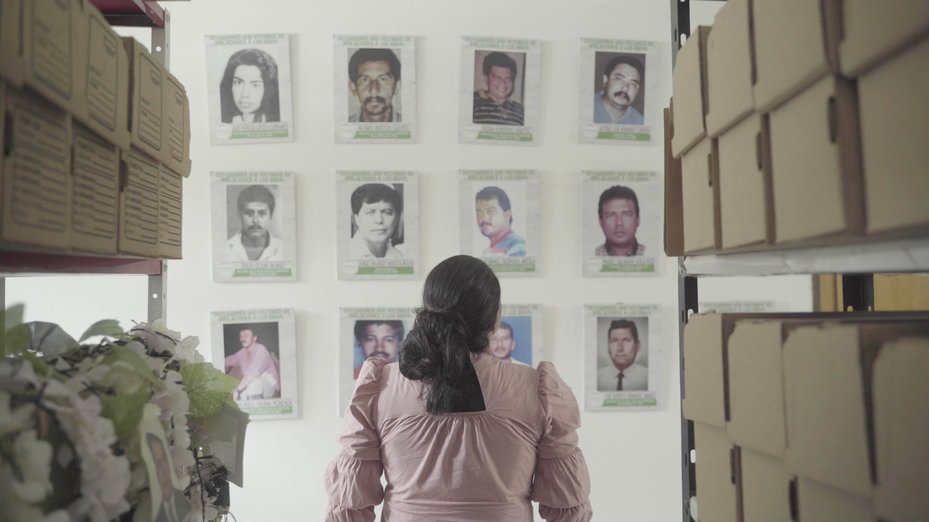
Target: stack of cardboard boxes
800,124
809,417
96,136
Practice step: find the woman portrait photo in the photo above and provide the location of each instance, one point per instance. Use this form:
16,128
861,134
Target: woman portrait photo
377,221
248,91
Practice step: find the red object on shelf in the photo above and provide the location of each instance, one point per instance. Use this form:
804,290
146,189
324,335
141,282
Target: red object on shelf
125,9
28,263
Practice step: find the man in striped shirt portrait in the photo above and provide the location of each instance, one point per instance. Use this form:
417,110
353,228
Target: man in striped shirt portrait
492,104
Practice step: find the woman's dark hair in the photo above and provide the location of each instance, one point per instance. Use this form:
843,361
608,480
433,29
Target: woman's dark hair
270,108
461,298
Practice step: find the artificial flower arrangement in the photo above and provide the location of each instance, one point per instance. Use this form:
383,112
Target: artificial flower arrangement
127,426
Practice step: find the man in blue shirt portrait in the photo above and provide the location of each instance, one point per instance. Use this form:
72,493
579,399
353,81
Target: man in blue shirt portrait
495,219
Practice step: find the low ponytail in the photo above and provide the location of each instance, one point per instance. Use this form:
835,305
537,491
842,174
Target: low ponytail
461,297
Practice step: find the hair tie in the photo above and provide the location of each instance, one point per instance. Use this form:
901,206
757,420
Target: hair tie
454,318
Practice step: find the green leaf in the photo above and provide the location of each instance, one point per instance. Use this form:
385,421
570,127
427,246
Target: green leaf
13,316
132,359
16,339
107,327
207,387
125,411
38,365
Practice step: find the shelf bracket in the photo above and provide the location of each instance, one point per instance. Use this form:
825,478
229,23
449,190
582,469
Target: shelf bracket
157,300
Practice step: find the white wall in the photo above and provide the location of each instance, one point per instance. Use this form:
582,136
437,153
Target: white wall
634,457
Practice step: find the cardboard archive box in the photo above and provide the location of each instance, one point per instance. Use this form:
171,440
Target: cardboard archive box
689,84
36,171
745,208
901,429
729,68
105,80
764,488
673,208
169,214
139,206
52,63
94,193
700,194
704,370
146,100
818,502
816,164
894,126
795,43
827,390
716,471
11,41
755,384
873,31
176,151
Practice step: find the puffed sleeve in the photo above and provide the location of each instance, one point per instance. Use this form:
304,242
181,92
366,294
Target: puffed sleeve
353,479
562,482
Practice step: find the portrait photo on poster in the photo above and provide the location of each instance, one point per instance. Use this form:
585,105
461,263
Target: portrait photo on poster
619,97
249,94
377,221
499,90
379,338
622,354
250,89
617,91
252,355
365,333
374,88
619,216
374,85
621,223
500,219
253,228
512,340
258,348
499,85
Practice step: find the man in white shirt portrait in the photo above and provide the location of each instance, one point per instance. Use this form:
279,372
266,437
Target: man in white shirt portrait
623,373
254,242
377,211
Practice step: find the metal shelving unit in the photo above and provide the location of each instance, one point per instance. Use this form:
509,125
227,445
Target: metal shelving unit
857,263
135,13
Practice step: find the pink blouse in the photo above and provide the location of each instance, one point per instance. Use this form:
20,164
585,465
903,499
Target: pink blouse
461,467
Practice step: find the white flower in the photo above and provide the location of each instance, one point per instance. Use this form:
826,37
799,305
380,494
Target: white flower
186,350
57,516
33,457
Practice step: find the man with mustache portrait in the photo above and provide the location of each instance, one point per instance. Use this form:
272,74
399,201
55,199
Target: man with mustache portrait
378,338
495,219
254,242
374,78
614,104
